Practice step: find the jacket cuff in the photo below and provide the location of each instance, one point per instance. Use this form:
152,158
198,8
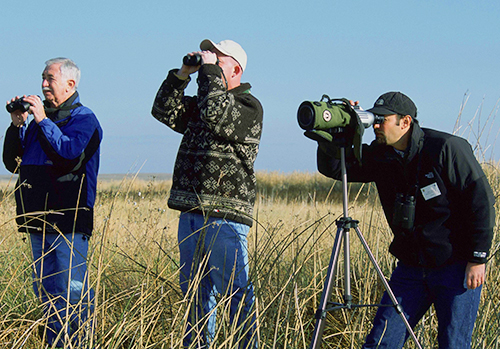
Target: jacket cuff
479,257
174,81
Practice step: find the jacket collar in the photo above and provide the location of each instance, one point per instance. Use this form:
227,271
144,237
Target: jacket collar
387,153
64,110
416,141
242,88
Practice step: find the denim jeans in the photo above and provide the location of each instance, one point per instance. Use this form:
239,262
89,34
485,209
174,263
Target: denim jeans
214,260
60,280
416,289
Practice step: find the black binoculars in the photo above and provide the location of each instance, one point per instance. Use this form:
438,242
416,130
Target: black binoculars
19,104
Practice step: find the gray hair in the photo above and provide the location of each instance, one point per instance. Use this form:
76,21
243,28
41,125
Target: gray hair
69,70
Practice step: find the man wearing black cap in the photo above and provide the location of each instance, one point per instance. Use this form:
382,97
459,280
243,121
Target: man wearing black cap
440,207
213,185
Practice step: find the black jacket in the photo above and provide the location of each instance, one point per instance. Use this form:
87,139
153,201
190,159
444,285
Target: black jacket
454,221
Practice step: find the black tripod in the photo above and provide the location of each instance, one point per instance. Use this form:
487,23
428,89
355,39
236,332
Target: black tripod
343,226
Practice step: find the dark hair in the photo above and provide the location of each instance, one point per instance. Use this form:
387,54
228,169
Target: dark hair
400,116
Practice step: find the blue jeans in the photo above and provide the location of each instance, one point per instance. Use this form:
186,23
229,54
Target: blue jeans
214,259
416,289
60,280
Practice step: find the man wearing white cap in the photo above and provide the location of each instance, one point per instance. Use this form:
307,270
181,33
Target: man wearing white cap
213,184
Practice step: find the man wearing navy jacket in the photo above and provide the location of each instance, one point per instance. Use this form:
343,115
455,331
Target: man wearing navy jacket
57,158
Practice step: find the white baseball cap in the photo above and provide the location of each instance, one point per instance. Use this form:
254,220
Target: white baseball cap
229,48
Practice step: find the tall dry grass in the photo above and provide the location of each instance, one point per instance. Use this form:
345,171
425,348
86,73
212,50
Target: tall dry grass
134,265
134,269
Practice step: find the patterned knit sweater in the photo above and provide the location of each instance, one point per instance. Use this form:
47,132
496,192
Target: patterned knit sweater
213,172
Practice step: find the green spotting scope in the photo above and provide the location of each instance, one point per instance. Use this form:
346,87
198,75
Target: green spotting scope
323,120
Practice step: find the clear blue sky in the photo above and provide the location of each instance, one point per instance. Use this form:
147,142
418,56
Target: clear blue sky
435,51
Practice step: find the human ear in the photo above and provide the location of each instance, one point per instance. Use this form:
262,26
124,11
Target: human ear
236,70
407,121
71,85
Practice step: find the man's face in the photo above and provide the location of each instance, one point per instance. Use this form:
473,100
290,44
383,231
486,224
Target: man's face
390,131
55,89
228,66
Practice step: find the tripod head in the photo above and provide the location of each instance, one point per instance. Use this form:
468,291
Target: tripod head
342,137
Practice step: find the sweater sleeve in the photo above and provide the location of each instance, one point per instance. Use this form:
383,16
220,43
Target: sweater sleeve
234,115
171,107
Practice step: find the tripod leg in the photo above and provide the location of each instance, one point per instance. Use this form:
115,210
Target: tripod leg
327,292
397,306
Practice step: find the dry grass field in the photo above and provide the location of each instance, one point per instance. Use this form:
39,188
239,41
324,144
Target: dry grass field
134,268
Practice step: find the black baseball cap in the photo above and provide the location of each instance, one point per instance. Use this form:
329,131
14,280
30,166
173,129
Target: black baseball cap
394,103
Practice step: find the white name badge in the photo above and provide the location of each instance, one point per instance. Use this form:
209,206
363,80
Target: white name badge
430,191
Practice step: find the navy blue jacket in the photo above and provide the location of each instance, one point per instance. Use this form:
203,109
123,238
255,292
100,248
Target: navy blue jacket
454,222
58,169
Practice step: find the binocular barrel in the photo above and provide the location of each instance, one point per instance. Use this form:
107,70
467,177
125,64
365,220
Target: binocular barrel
192,60
18,104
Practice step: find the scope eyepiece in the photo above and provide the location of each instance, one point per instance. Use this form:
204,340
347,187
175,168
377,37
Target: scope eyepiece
367,118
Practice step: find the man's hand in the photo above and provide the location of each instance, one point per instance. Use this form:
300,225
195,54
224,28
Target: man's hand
207,57
474,275
36,107
18,117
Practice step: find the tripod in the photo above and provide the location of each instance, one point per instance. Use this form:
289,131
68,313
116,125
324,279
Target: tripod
343,226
